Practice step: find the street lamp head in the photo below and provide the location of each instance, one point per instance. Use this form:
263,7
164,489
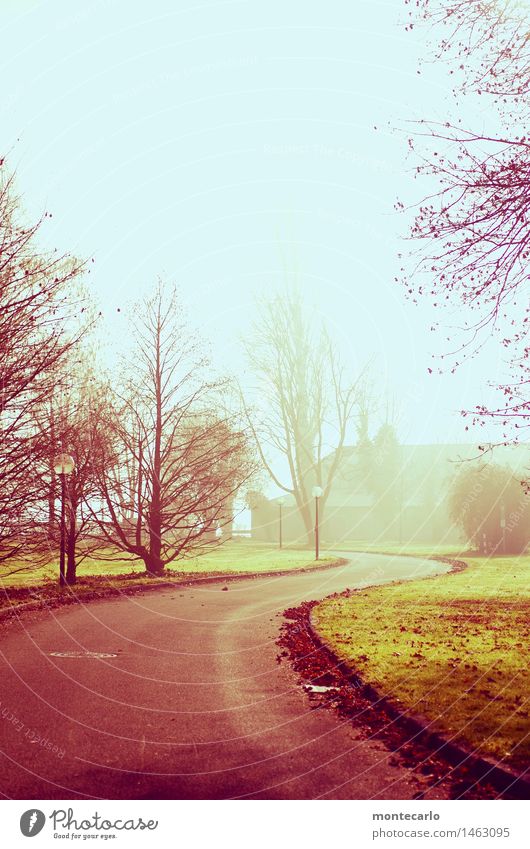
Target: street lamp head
63,464
281,501
317,491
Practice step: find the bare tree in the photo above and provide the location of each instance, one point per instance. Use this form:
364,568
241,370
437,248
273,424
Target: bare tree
74,423
306,405
38,299
177,458
484,43
475,227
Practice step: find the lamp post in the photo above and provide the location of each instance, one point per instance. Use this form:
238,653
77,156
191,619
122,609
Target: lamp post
281,502
317,492
63,465
503,527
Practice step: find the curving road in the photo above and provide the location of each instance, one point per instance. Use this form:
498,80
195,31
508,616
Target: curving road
191,703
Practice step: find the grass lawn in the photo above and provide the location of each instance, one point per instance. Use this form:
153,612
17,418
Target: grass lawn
230,558
252,557
450,648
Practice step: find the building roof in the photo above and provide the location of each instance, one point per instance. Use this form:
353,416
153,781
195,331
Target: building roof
422,474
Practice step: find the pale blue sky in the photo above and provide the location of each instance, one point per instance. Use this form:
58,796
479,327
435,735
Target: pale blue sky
228,145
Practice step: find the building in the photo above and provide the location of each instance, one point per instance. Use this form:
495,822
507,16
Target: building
404,501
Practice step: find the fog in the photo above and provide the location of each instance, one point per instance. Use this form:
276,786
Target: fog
237,152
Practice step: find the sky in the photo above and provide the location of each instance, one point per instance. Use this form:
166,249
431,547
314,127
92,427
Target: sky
233,148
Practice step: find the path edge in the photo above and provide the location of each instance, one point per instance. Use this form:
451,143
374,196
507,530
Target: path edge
11,612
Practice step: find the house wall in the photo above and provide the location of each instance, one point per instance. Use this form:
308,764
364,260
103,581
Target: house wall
265,523
418,524
339,523
416,507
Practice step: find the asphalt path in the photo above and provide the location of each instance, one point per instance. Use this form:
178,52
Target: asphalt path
191,701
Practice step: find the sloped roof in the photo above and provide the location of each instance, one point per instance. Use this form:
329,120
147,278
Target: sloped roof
423,471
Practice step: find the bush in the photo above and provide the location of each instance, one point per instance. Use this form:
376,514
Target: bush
492,507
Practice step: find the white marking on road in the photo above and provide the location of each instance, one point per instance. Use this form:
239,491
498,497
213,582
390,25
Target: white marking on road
81,654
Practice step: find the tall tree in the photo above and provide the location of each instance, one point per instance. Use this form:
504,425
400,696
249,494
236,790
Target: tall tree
305,403
38,302
75,424
475,228
178,456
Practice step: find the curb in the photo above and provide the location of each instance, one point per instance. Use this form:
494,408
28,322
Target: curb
482,768
12,611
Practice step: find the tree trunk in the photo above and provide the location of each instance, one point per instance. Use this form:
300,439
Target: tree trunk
53,482
155,516
227,522
309,524
153,566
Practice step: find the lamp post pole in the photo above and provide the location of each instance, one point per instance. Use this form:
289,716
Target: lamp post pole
281,502
62,552
316,529
317,492
503,526
401,508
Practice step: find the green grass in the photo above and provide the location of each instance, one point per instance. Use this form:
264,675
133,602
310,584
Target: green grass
231,558
450,648
245,557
